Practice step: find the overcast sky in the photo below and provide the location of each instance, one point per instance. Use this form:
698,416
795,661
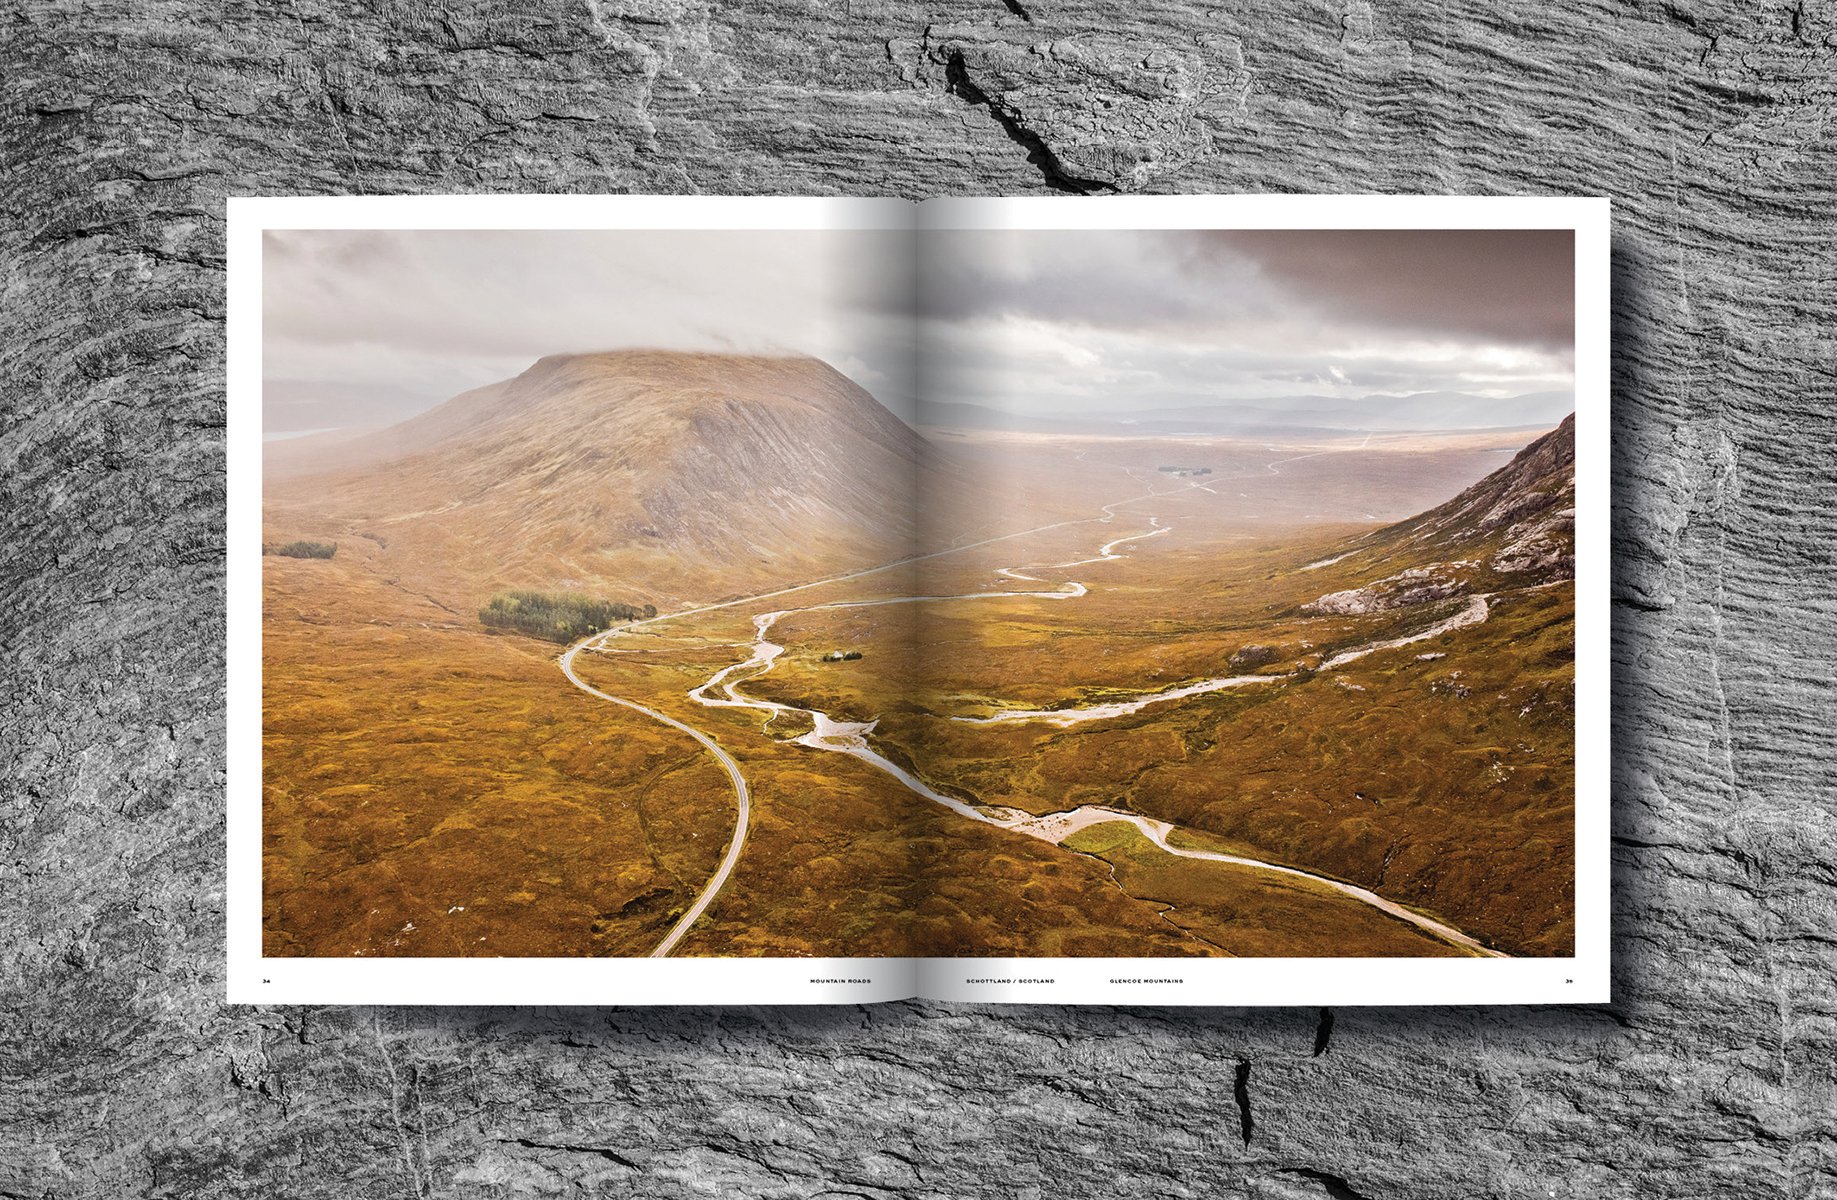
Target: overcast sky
365,326
1086,321
371,326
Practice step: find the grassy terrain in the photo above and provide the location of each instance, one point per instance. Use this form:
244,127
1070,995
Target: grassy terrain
1251,913
430,789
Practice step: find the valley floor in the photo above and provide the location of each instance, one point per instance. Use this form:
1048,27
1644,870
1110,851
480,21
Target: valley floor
1108,732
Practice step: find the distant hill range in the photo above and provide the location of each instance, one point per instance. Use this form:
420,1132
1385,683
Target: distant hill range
649,474
1419,411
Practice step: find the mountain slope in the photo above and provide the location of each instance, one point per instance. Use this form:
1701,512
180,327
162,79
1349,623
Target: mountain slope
656,475
1423,742
1524,513
1513,529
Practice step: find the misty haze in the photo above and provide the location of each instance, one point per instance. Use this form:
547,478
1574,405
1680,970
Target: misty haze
1085,593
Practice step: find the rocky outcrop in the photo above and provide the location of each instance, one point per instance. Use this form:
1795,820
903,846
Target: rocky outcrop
1516,526
1418,585
1249,658
1520,519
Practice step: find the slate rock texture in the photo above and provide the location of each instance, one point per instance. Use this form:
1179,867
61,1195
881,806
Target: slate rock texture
1711,123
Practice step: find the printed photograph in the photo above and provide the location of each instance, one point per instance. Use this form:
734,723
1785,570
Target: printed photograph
961,593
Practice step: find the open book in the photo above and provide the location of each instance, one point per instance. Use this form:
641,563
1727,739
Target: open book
1170,601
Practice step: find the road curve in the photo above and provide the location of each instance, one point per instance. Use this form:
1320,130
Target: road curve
850,738
743,801
1056,827
742,796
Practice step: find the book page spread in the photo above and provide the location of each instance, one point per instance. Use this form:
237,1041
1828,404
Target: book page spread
1177,600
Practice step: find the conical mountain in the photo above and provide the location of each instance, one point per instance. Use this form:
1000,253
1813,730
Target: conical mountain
658,475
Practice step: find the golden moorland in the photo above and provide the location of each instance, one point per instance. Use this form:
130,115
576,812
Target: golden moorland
1374,633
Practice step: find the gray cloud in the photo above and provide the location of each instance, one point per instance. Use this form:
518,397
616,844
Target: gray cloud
383,323
1114,320
1510,286
365,326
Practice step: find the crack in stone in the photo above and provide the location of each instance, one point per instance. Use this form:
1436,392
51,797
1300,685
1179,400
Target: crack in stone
957,81
1240,1091
1335,1187
1323,1032
567,1148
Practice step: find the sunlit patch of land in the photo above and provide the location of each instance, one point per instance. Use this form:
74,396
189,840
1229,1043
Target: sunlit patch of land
434,788
1440,773
1250,913
428,790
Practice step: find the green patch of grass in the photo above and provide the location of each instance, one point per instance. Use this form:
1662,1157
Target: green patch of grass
1104,838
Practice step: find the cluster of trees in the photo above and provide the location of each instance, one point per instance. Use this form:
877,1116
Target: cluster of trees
842,656
302,549
558,617
1186,470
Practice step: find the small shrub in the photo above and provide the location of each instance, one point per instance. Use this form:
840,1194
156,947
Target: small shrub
303,549
1252,657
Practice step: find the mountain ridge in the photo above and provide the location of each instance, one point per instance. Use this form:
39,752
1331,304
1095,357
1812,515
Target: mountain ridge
1514,528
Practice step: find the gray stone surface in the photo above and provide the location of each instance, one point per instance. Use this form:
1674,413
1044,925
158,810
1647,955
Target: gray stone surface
124,126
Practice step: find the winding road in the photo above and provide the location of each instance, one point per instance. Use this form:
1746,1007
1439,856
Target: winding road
742,795
722,690
743,800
